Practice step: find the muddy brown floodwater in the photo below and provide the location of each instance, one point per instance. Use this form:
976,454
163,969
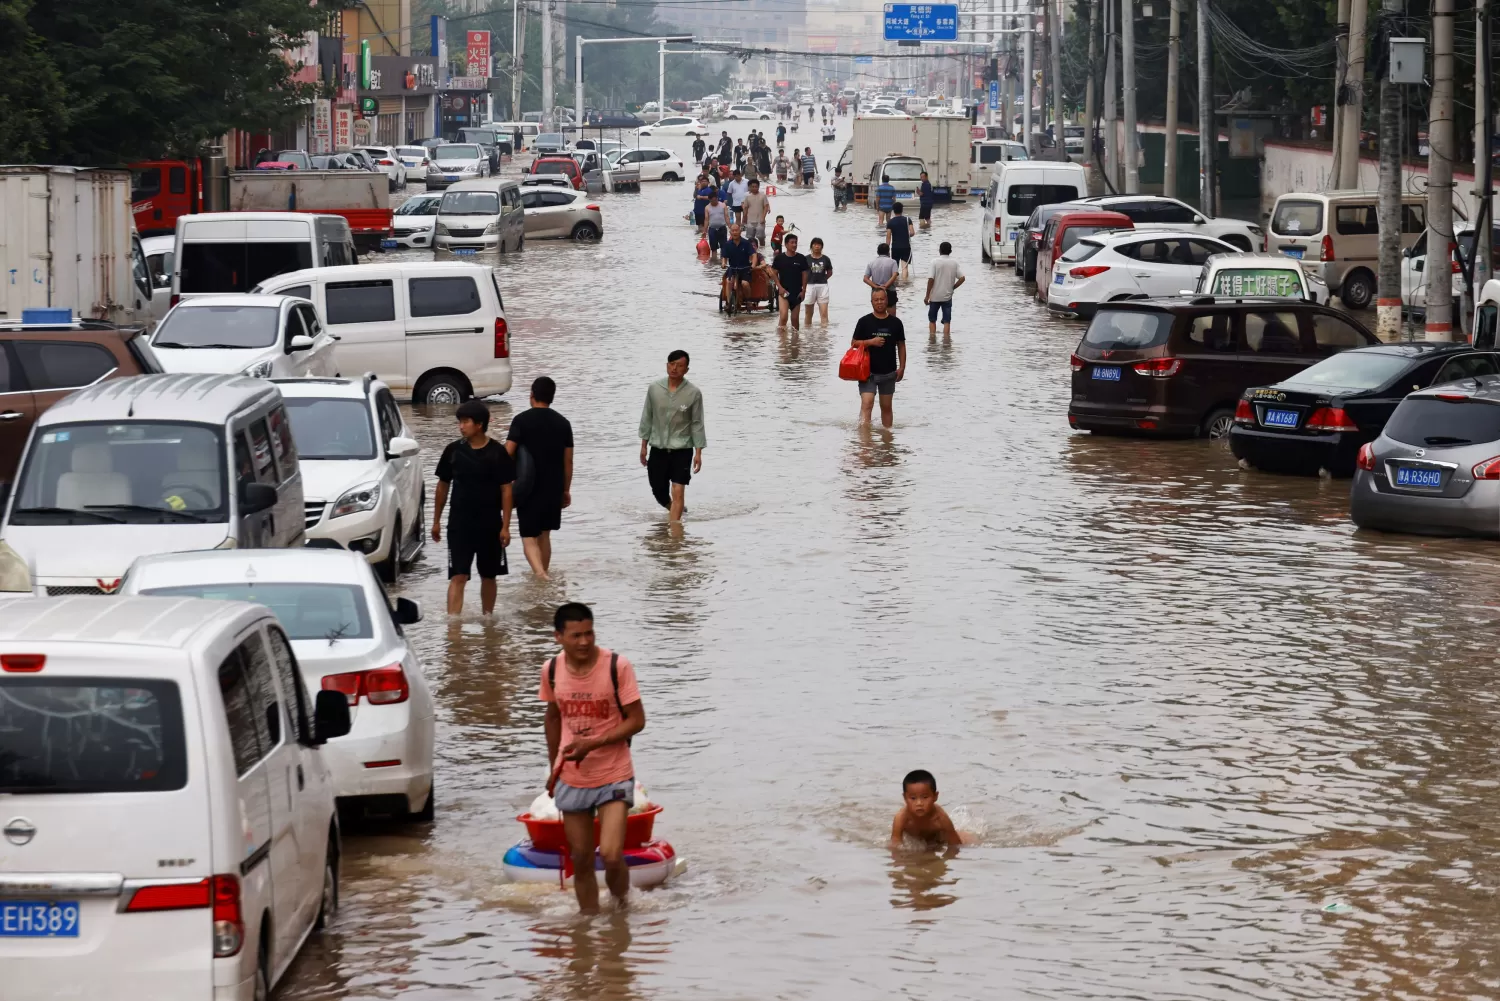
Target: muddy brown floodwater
1215,743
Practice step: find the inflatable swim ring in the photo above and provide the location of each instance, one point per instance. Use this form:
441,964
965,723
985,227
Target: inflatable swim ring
650,865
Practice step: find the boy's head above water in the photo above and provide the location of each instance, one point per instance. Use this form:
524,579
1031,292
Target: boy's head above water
919,789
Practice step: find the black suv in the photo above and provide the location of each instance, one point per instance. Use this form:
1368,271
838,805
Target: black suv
1180,366
613,118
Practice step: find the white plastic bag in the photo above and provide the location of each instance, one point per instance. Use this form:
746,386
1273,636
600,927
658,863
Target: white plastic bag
642,803
542,808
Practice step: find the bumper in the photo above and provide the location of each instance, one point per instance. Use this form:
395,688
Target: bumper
405,740
366,525
489,242
1300,454
441,180
1476,513
1132,418
416,173
422,238
493,379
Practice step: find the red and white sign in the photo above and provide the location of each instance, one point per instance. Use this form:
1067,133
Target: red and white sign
322,126
343,126
479,54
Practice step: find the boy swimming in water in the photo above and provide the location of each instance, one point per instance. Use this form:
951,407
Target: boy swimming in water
921,817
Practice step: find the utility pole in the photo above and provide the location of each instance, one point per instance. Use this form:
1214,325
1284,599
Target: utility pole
1208,133
1026,86
1354,109
1090,105
1441,151
1127,59
1483,140
1340,78
1043,105
1111,135
1059,138
518,46
1174,53
548,60
1388,201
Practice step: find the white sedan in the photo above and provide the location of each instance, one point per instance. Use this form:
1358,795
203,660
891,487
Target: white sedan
883,111
262,336
739,111
412,223
347,637
1124,264
654,163
674,125
416,159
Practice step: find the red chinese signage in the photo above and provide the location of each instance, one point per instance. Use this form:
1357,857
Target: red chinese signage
479,54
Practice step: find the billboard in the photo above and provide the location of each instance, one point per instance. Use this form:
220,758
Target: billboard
479,54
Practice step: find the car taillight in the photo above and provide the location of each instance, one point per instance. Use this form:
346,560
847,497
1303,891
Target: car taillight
1078,363
381,686
175,299
1088,271
1452,397
22,663
229,921
346,683
999,226
387,163
1326,252
169,897
1366,458
1158,368
502,338
1489,469
593,208
1243,414
1330,419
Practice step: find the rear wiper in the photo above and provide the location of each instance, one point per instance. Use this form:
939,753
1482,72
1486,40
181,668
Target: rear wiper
146,509
1445,440
70,511
334,635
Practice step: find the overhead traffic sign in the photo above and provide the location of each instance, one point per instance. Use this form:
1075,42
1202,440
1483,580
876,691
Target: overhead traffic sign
863,60
921,22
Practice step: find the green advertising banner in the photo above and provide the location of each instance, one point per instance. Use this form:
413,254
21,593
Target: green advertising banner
1235,282
364,65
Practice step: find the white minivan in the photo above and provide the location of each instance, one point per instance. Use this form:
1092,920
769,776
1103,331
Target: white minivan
218,252
170,829
1017,187
433,331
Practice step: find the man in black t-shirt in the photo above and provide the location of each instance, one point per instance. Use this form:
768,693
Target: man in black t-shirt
541,442
479,472
791,279
881,335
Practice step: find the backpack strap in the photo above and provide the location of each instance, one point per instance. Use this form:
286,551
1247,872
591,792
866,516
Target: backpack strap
614,682
552,677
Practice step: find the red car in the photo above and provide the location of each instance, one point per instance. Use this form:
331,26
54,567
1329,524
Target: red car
1065,229
550,167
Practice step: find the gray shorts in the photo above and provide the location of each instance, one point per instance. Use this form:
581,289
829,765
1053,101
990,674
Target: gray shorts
572,800
884,383
755,231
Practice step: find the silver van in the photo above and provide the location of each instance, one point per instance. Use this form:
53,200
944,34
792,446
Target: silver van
483,214
152,464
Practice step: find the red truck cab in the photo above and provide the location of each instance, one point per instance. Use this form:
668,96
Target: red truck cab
162,190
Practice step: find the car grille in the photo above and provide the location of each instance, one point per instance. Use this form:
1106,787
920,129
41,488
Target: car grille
61,592
404,232
314,512
466,232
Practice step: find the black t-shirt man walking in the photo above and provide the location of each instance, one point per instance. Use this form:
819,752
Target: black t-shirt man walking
479,472
541,442
882,336
791,280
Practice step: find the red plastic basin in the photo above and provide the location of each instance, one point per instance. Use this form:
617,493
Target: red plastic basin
548,834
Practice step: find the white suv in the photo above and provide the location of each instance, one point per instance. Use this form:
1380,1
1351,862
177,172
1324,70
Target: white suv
1161,212
361,469
738,111
389,162
347,637
654,163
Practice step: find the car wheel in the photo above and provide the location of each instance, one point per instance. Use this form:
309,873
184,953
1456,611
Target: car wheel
669,176
1218,423
389,568
984,253
1358,289
328,903
765,118
442,390
585,232
262,988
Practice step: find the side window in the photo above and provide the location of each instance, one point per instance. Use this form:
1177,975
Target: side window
1467,367
455,296
177,180
145,183
291,682
10,383
310,321
390,415
1333,333
261,455
282,443
361,302
244,470
1202,250
300,291
554,198
1485,322
1272,334
63,364
1173,212
258,672
1355,220
339,253
511,197
1212,333
1414,218
530,200
240,712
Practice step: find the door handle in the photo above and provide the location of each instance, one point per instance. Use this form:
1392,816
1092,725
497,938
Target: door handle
11,415
301,781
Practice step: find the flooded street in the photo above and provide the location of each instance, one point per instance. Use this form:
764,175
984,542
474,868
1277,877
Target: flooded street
1214,743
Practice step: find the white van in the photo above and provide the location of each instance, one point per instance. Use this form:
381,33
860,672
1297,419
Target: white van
1017,187
153,464
170,829
433,331
985,155
219,252
482,214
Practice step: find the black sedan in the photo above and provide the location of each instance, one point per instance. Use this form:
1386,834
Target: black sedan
1318,419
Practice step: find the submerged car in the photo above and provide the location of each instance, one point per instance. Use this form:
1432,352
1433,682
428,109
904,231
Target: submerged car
558,212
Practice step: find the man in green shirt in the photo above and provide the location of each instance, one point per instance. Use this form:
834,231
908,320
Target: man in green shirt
672,429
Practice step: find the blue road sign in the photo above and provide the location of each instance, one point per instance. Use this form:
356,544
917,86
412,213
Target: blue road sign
863,60
994,94
921,22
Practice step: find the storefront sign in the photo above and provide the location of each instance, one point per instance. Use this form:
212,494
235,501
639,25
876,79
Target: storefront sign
479,53
469,83
343,125
397,76
368,105
322,126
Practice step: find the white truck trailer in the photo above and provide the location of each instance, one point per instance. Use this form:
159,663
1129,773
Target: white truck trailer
941,142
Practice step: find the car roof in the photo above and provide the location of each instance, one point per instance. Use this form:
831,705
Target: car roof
1414,349
344,271
1111,199
181,397
1149,234
249,300
137,620
1077,217
324,387
210,566
156,244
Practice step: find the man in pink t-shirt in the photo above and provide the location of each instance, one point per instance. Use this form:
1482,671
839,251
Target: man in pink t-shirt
593,709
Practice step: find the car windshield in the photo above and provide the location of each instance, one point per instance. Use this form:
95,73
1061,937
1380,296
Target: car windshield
83,735
331,428
470,203
414,152
1434,423
1351,370
1121,329
307,611
1297,218
139,472
190,326
476,135
1021,199
459,151
903,170
550,138
420,205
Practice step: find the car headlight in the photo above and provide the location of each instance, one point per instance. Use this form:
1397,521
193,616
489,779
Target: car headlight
440,229
492,228
361,498
471,168
260,370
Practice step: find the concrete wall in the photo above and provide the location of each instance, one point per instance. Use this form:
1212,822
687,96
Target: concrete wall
1292,167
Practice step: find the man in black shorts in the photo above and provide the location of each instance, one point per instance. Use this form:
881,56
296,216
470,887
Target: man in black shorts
541,442
479,471
898,235
791,280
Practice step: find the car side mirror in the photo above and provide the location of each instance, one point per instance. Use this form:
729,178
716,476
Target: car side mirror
330,715
1198,220
984,201
402,448
299,343
256,497
1417,264
162,281
408,611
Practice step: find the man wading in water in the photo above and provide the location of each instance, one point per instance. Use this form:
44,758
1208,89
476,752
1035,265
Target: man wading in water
593,709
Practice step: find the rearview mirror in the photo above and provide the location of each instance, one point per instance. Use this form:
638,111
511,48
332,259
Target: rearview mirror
299,343
1417,264
1198,220
402,448
256,497
330,715
408,611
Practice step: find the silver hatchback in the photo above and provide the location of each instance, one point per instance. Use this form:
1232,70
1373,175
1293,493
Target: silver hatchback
1435,469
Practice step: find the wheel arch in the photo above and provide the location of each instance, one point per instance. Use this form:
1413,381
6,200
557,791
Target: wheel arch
442,372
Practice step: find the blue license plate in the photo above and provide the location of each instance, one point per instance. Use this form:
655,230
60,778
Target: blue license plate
1296,252
389,244
903,194
1012,236
1057,279
1106,373
466,250
1280,418
450,177
38,919
1407,476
